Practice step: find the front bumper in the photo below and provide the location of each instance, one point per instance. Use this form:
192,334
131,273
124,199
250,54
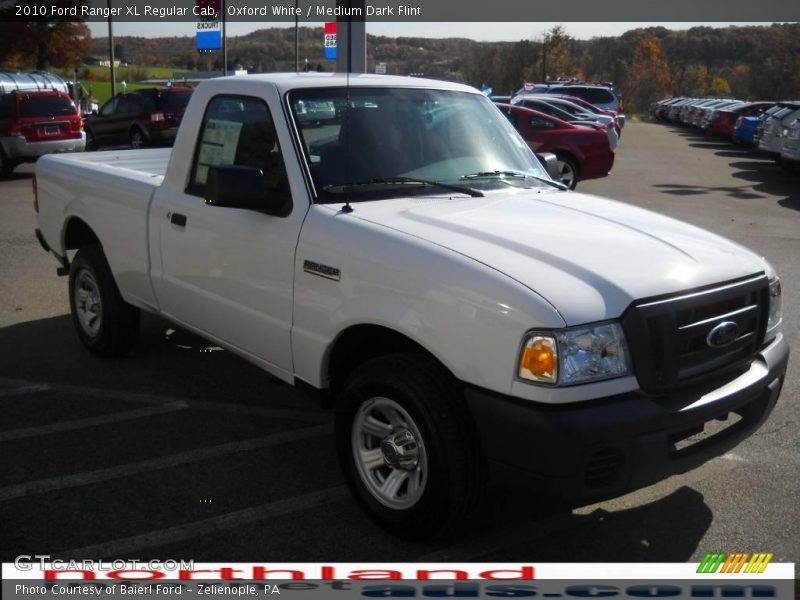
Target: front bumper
18,148
603,448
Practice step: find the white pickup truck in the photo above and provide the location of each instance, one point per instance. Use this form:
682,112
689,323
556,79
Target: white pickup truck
409,258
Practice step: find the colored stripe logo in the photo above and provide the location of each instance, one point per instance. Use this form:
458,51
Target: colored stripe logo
739,562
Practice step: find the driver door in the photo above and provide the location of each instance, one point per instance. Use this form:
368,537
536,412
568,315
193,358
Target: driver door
228,272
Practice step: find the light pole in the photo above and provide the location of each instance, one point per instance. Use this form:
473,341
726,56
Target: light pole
111,52
224,42
351,37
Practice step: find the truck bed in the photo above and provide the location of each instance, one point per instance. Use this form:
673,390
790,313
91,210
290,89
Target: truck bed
150,163
110,192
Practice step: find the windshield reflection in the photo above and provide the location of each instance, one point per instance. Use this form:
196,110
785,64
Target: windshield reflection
383,135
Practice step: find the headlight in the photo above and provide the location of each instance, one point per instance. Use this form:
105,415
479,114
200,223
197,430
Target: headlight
775,309
574,355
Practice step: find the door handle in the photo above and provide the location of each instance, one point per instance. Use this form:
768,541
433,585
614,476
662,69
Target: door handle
177,219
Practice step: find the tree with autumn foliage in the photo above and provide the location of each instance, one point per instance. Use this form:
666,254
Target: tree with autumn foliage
648,77
42,43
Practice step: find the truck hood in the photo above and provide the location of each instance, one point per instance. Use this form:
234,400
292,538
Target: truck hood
588,256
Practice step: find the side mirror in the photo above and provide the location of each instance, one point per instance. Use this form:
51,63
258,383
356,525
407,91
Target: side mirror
550,163
233,186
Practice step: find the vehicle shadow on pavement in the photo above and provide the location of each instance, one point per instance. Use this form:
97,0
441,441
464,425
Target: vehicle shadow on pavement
667,529
295,509
740,152
770,178
743,192
711,145
17,176
166,360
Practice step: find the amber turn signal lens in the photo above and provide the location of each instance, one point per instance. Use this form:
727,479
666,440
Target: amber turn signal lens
539,360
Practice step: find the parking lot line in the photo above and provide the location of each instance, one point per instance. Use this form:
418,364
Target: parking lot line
164,462
287,414
25,388
117,417
171,535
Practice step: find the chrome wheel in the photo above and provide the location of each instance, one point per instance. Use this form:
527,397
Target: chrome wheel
566,173
389,453
88,305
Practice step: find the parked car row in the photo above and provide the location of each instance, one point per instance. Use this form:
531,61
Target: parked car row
560,119
769,127
38,117
582,135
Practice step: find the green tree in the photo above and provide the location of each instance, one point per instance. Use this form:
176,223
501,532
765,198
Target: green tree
559,60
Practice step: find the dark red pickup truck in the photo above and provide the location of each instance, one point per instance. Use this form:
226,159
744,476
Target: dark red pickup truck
583,151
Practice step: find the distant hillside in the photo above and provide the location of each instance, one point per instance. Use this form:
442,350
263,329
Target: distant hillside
273,49
748,62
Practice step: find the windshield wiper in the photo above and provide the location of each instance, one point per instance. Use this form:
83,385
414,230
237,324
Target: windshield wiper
520,174
343,189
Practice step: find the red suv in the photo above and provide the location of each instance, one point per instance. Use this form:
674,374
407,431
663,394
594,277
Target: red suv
37,123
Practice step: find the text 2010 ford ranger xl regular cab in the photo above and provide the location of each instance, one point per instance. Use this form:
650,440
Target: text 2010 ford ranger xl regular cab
410,258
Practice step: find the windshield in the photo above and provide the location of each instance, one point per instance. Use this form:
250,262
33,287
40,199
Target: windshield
388,137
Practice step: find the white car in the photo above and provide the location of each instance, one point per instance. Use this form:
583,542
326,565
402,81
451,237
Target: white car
776,127
790,151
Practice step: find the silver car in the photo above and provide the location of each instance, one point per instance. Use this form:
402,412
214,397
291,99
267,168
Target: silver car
776,128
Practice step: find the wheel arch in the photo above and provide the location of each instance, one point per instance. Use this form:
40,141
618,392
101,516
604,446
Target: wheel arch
574,154
359,343
77,233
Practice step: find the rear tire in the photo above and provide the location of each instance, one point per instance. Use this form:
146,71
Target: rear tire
138,139
106,324
408,448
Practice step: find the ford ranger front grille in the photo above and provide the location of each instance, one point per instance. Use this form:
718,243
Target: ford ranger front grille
683,339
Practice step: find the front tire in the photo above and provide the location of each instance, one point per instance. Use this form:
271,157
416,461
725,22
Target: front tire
407,446
106,324
91,141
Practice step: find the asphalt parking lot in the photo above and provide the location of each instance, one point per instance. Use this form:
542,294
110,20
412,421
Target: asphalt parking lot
182,450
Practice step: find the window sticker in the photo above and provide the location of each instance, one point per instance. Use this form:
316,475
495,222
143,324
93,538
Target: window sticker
218,146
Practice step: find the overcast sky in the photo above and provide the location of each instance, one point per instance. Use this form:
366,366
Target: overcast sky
475,31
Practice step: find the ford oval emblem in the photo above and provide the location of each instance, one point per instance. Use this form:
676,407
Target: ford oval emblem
723,335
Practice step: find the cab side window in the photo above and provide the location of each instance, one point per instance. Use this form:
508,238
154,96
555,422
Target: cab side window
110,107
238,130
